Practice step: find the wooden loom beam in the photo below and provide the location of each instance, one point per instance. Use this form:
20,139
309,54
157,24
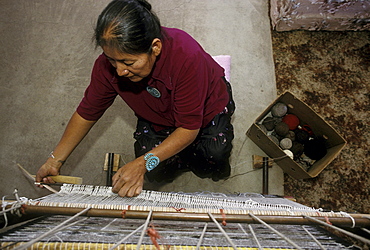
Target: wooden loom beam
360,220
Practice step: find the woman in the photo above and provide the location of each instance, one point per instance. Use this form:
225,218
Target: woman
177,91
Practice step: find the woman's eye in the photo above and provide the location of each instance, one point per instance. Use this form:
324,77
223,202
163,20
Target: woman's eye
127,63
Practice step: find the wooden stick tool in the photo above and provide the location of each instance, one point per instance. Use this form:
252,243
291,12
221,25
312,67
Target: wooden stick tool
56,178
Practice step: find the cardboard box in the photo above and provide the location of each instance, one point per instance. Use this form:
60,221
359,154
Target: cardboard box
335,142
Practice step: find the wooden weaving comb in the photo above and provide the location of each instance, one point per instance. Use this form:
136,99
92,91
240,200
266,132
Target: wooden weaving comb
56,178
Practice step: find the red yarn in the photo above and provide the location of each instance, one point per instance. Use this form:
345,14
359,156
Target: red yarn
123,214
291,120
223,217
178,209
327,220
154,236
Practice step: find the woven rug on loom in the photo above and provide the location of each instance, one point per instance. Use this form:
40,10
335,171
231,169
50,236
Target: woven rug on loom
330,72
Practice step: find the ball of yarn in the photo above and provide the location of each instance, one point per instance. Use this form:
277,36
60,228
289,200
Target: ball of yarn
290,135
297,149
279,109
263,128
274,139
286,143
301,136
291,120
281,129
289,153
315,148
269,123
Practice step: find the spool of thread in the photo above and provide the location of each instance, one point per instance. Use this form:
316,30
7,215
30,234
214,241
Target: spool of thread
292,121
279,109
281,129
286,143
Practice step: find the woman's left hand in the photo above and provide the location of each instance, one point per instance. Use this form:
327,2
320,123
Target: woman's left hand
129,179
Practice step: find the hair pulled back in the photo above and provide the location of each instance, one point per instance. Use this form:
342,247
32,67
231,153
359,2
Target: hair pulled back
128,26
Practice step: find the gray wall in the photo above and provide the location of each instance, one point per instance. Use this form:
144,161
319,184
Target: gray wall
46,58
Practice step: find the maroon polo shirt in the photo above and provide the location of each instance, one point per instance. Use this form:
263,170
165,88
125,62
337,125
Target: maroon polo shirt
190,83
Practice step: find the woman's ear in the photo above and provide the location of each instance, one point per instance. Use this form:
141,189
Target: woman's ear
156,46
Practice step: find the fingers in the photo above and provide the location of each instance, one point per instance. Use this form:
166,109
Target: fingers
44,173
130,192
123,187
115,178
40,175
138,190
48,179
127,188
129,179
44,177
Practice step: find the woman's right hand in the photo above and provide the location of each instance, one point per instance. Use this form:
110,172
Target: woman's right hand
75,131
50,167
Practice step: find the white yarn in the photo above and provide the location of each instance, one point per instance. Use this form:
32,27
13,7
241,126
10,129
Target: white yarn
352,219
14,206
102,197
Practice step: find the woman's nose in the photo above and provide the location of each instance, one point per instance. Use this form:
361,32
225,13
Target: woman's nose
121,69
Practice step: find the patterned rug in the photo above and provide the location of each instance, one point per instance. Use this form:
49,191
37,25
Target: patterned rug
329,71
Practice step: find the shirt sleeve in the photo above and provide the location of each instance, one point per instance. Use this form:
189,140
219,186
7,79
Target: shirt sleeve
100,94
191,92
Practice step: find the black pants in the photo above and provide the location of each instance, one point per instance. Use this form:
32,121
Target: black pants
208,156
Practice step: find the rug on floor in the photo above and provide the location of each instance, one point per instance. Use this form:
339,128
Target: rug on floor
329,71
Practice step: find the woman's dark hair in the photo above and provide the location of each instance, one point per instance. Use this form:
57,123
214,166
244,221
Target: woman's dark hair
128,26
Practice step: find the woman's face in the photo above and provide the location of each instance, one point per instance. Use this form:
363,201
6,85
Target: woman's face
134,67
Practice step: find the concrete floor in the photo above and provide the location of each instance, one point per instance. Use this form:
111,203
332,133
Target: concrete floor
46,59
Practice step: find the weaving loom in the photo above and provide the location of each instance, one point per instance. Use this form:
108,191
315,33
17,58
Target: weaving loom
173,221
